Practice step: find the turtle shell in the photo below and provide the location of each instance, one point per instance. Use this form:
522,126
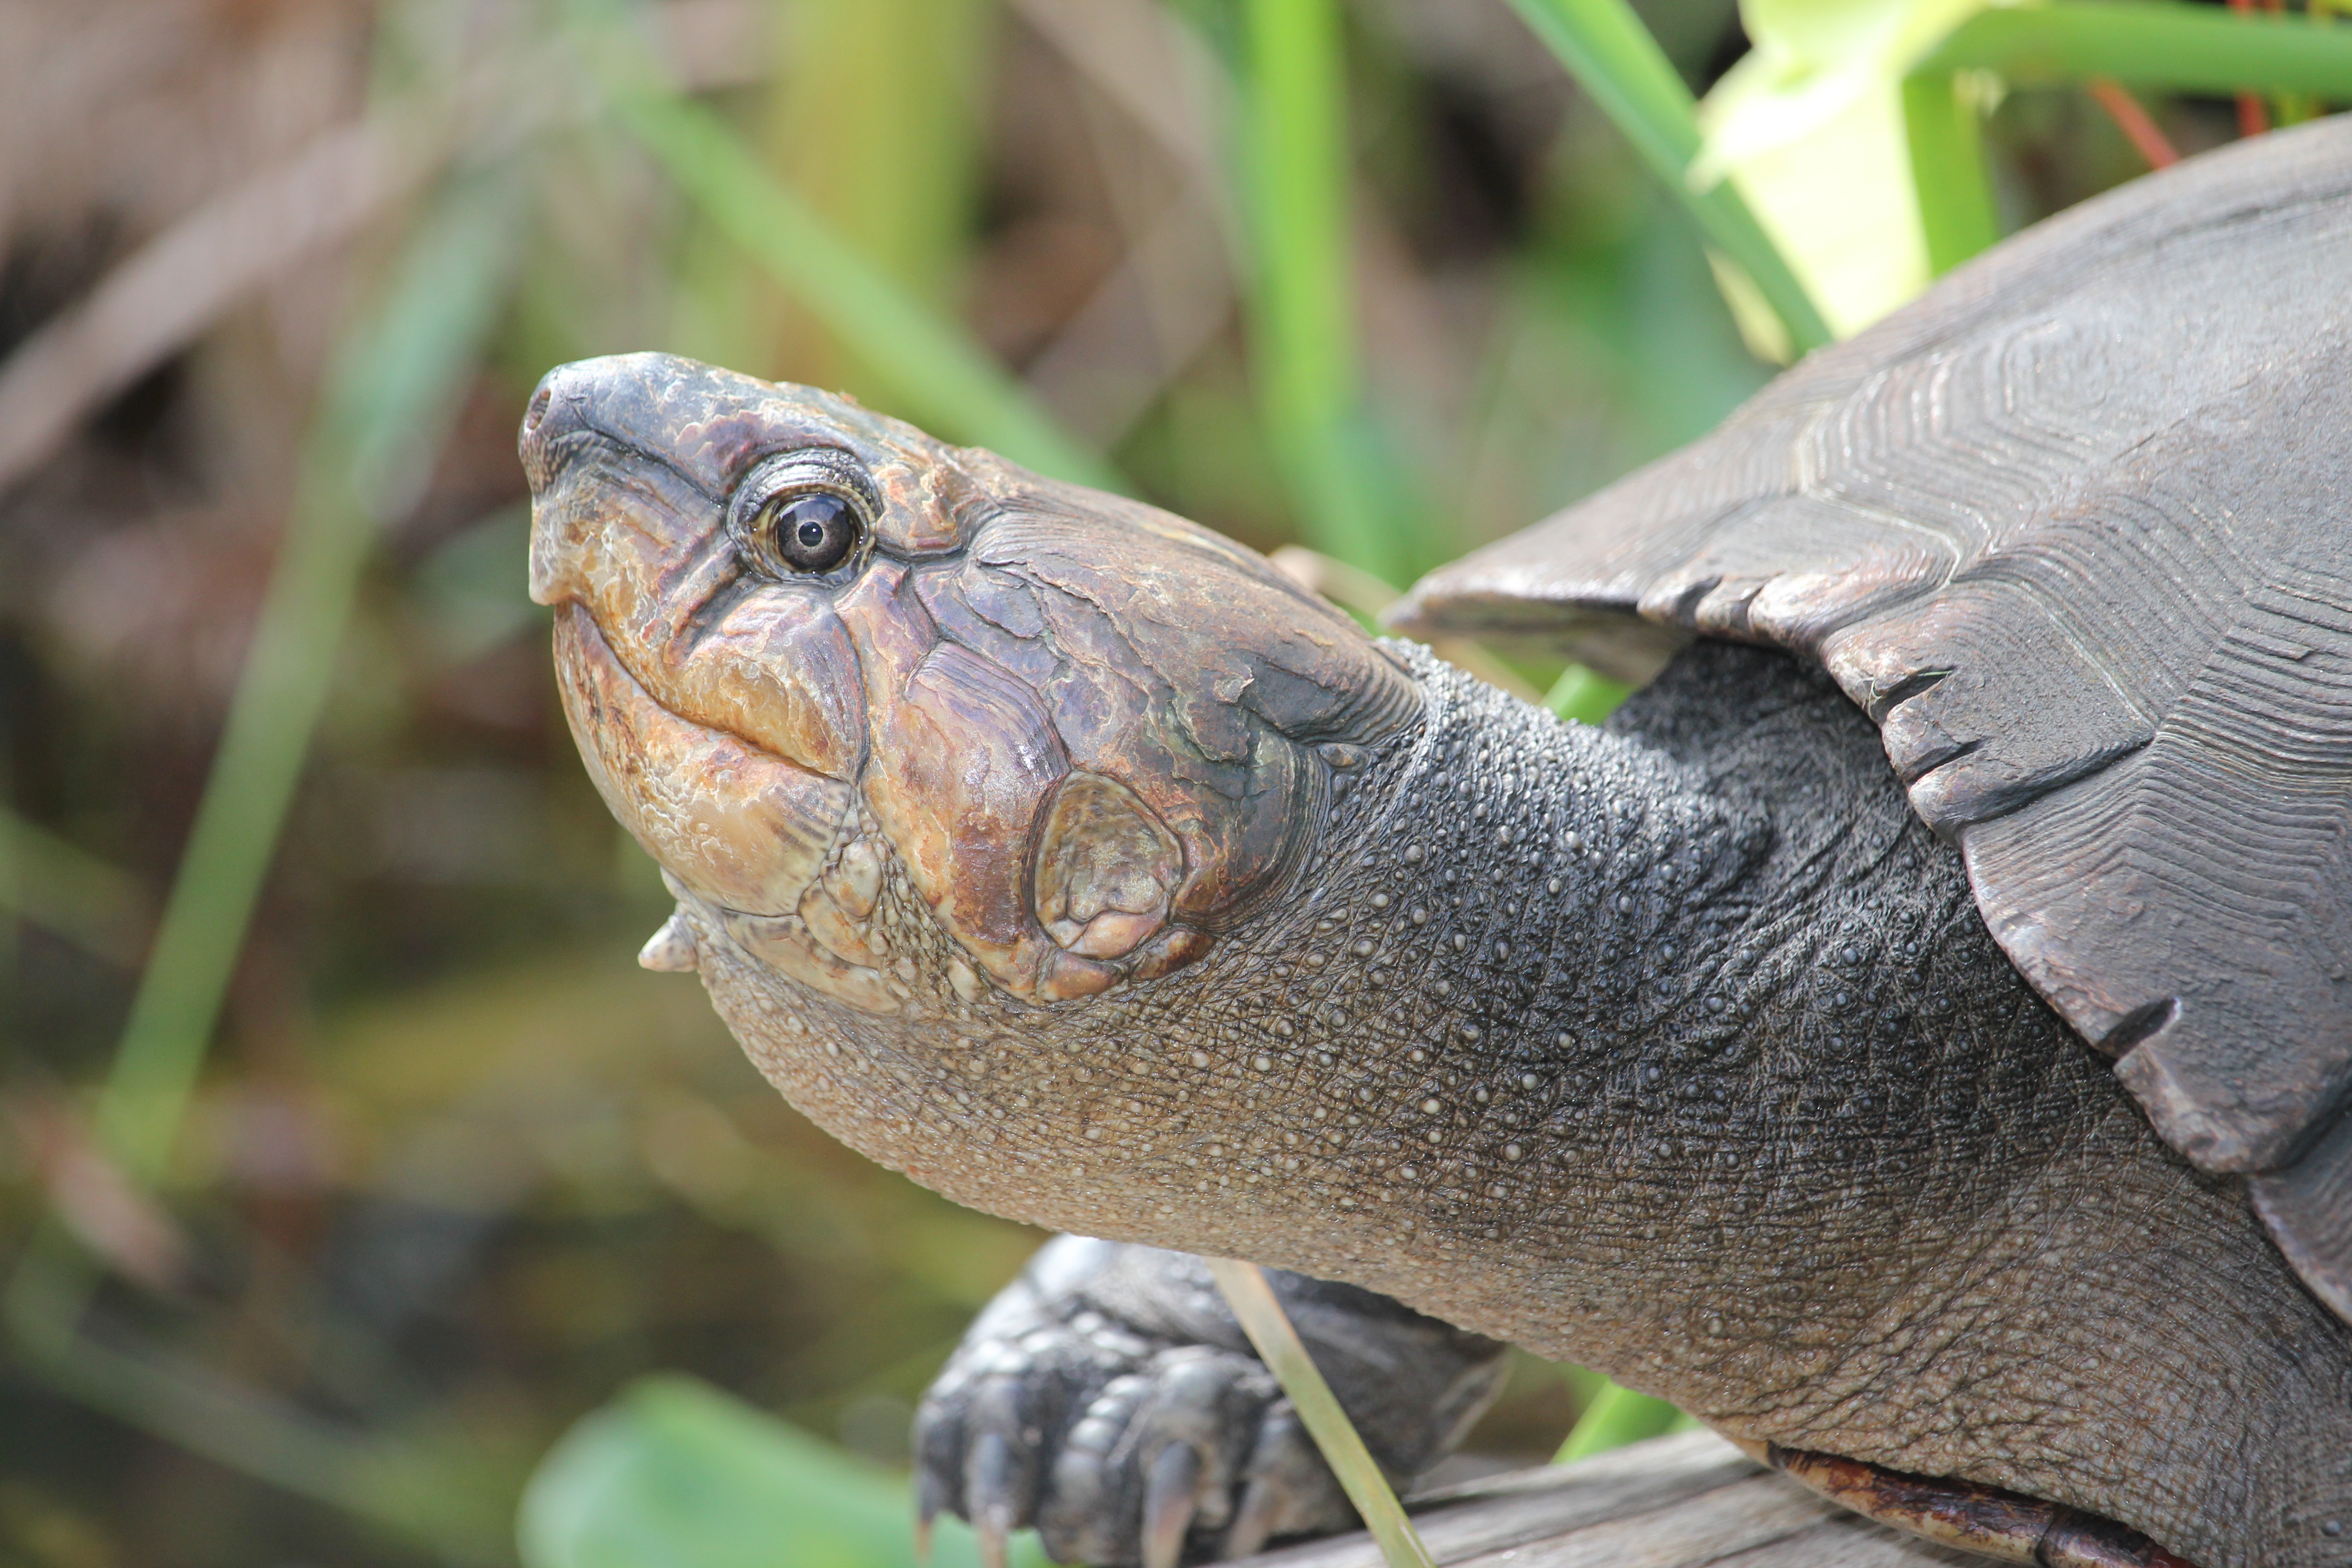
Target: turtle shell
2075,529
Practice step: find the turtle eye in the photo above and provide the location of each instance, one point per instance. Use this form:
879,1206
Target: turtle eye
803,513
814,531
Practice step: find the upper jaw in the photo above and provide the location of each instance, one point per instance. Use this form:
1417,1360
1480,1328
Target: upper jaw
631,460
707,423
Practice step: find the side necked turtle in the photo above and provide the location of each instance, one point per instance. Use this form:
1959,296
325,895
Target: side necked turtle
1977,1123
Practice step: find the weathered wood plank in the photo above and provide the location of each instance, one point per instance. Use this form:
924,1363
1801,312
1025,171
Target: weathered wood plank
1691,1501
1748,1513
1848,1541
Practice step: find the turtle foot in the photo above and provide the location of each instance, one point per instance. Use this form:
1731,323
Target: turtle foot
1107,1398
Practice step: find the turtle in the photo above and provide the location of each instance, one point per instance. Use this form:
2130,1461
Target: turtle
1964,1137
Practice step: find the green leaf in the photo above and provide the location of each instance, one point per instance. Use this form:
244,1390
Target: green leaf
1946,131
1615,1417
674,1474
1811,59
1613,57
1811,125
2155,44
1584,695
1348,485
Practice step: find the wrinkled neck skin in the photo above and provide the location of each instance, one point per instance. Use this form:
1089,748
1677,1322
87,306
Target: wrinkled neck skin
1677,1048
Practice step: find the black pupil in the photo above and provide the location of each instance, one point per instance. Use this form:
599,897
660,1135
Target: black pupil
816,531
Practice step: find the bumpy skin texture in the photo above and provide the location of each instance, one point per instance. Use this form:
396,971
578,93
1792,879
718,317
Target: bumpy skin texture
1109,1389
1678,1049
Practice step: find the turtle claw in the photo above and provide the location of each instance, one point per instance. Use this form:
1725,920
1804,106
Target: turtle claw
930,1496
1289,1487
1169,1501
1253,1521
990,1475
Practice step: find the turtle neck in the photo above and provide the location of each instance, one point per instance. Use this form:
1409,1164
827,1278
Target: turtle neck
1676,1047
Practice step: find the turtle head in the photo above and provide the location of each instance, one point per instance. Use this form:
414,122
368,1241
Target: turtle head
911,730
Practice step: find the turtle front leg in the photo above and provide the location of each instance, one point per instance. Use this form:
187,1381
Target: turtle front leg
1107,1397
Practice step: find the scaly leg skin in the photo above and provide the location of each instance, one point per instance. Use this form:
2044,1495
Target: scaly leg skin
1107,1397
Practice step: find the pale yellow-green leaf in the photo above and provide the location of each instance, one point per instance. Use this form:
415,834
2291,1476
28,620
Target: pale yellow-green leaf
1809,126
1841,206
1812,61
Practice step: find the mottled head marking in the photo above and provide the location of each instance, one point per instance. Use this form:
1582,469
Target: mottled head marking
811,655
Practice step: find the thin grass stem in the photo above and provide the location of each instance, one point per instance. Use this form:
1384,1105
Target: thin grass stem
71,891
2133,120
1302,285
1279,1346
398,1488
939,375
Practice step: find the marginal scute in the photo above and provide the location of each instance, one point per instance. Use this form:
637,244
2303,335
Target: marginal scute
2308,1209
2074,528
2003,1525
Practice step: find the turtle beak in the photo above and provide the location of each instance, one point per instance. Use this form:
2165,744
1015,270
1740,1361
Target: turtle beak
654,437
714,710
697,418
631,459
556,422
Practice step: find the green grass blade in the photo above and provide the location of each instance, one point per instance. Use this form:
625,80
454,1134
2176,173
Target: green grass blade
2154,44
1279,1346
1615,1417
1948,168
46,881
1612,57
940,376
1302,288
391,393
876,120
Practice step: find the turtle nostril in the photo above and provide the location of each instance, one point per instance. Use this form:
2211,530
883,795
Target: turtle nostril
537,411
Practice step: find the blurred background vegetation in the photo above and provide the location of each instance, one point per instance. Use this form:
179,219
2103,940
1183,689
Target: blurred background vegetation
346,1160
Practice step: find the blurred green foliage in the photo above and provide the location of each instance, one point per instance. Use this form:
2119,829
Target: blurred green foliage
674,1474
1615,1417
348,1160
